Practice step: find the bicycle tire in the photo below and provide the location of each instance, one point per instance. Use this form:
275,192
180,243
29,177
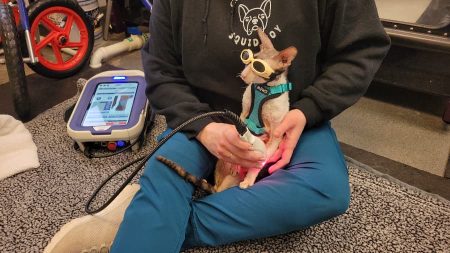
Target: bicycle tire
50,70
14,62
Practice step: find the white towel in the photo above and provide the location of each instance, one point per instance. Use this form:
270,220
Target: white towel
17,149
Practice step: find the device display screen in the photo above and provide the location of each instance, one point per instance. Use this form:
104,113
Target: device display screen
111,104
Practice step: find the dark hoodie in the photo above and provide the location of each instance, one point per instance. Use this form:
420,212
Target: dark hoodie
192,59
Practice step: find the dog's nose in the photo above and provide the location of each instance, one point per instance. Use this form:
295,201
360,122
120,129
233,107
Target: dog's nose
254,21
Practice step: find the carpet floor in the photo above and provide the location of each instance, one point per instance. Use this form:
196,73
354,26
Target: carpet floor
385,215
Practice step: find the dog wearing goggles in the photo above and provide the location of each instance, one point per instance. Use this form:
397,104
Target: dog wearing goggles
267,71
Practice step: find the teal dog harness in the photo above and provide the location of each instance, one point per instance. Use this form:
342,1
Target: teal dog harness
261,93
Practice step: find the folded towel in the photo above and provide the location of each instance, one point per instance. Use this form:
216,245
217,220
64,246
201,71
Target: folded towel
17,149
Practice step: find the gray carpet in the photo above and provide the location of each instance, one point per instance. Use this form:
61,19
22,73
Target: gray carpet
384,216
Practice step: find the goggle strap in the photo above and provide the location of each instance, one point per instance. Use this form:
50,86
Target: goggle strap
274,75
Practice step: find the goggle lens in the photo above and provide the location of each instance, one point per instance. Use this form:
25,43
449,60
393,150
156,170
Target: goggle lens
245,55
259,66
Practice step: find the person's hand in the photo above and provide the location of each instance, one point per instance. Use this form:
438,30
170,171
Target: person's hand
223,141
291,128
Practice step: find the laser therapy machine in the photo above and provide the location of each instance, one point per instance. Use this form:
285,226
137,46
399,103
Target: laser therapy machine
111,111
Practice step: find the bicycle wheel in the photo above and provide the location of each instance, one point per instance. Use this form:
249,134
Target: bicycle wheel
62,37
14,62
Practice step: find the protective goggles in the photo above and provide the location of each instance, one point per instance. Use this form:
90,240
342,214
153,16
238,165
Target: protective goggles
260,67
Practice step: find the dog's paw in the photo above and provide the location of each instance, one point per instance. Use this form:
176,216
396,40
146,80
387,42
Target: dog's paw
245,184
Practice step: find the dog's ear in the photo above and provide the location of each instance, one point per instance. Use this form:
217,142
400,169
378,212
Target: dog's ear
266,43
285,57
243,10
266,6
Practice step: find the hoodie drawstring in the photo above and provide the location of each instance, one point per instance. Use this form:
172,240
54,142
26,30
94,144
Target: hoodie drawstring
205,22
232,11
206,14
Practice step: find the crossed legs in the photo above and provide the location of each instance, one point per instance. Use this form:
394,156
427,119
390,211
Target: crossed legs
162,217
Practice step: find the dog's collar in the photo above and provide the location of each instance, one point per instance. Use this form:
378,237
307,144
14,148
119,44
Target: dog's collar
272,90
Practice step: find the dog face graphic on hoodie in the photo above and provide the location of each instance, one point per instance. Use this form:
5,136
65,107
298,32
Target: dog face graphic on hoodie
253,18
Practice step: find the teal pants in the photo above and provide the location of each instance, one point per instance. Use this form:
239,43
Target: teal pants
163,218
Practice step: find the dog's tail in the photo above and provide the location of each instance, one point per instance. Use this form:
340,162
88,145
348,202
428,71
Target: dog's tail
200,183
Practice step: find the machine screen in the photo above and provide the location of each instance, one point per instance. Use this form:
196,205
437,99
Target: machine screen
111,104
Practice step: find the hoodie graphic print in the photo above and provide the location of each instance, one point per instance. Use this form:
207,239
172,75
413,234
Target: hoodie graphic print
251,17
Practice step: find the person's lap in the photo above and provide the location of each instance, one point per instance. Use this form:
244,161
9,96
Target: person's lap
312,188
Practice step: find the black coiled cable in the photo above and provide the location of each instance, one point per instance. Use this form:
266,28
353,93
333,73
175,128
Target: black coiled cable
240,126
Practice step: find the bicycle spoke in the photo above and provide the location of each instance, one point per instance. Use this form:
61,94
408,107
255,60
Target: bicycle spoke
45,41
57,53
73,44
50,25
68,25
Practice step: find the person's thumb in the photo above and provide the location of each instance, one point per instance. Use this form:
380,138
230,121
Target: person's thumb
281,129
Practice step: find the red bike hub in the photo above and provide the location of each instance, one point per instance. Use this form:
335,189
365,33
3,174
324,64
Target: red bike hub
58,37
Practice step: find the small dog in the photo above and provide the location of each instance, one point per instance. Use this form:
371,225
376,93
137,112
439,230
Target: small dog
257,17
264,73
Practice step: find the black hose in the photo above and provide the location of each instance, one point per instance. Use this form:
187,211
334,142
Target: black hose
240,126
